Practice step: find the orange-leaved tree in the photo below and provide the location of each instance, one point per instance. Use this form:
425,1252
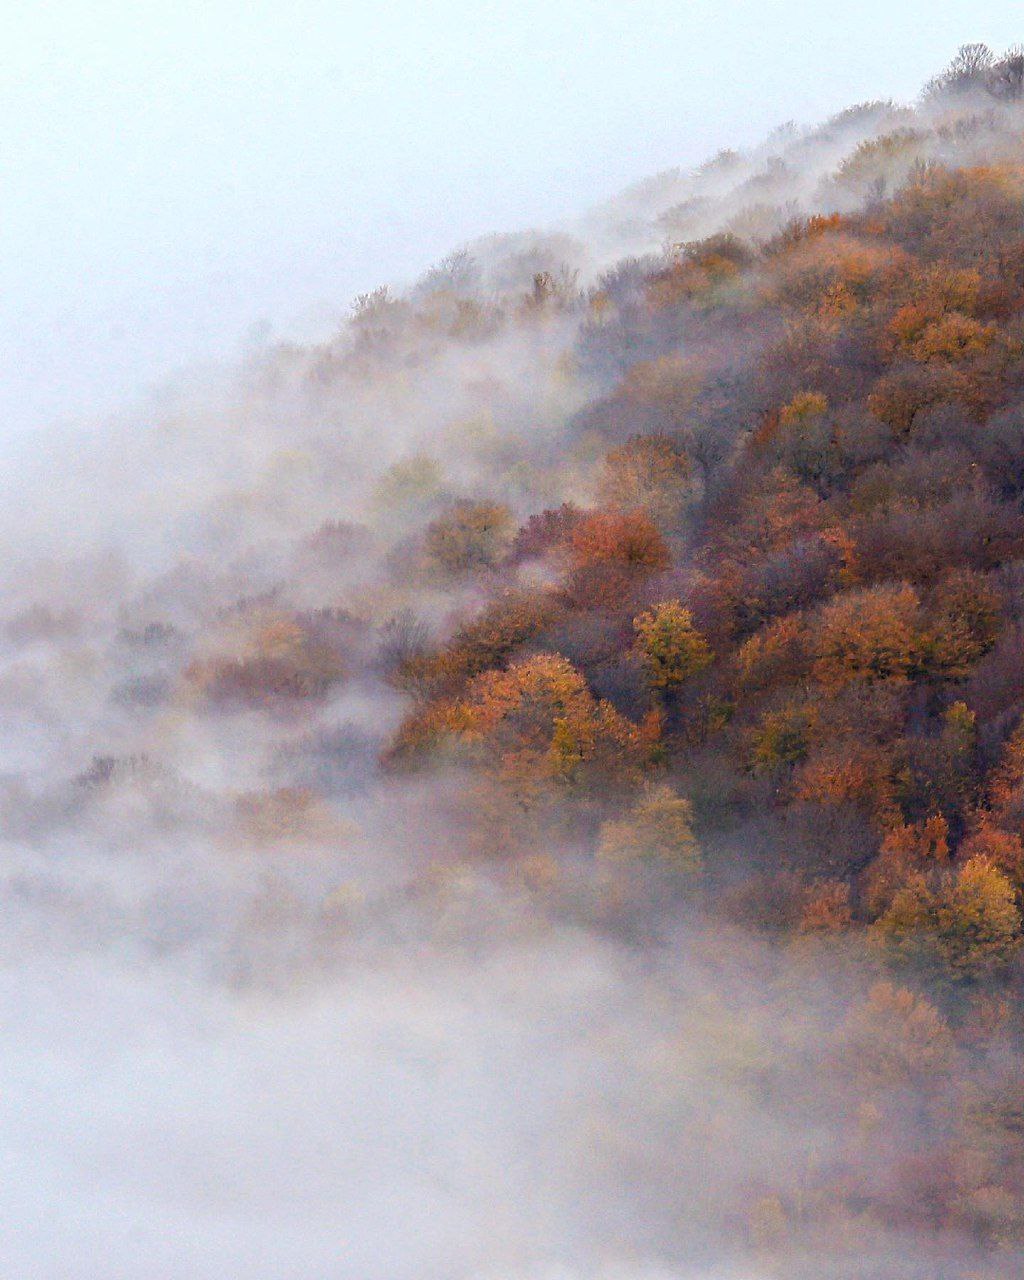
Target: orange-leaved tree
536,727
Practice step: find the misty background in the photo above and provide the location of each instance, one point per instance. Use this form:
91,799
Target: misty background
182,181
270,1008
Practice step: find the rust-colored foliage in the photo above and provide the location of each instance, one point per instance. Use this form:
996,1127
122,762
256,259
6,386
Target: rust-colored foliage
847,772
648,473
812,470
826,908
867,635
908,849
612,554
630,539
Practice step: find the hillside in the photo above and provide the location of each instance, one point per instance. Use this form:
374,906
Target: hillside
573,720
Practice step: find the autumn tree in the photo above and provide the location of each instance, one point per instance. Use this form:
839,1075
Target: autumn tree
965,929
407,487
1003,849
964,617
612,554
629,539
781,738
997,824
546,532
647,473
935,772
867,635
658,830
895,1037
670,647
274,660
908,849
900,397
773,656
826,908
485,641
847,772
536,727
469,537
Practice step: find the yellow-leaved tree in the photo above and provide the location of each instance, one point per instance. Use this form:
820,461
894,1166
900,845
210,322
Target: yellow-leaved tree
658,830
964,929
670,647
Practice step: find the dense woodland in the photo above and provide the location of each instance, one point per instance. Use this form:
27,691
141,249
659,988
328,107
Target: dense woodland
656,585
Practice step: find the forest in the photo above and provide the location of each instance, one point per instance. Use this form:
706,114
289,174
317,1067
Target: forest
580,705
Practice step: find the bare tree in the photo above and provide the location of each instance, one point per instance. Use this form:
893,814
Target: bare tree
1006,77
969,69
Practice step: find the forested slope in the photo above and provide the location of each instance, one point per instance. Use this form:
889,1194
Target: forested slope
632,619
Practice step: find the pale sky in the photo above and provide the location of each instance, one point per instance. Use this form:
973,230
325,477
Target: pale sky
174,173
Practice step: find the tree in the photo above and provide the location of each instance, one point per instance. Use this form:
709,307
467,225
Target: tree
867,635
1006,78
488,640
774,655
908,849
901,396
611,555
963,625
965,929
282,659
408,486
1003,849
534,727
657,830
879,164
847,772
896,1037
647,473
629,539
952,339
969,70
670,647
935,772
802,410
545,532
826,908
782,738
469,537
997,827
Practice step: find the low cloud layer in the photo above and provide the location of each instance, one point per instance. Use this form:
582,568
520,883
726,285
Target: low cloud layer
278,1003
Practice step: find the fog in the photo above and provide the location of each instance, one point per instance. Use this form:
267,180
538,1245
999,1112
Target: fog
273,1007
179,178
